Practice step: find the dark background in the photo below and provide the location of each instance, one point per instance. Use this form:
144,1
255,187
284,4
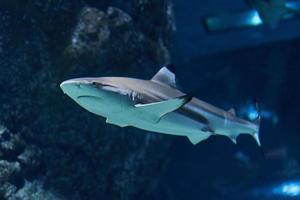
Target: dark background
270,73
228,69
52,149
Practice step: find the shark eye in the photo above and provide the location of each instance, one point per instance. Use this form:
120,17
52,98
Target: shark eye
95,83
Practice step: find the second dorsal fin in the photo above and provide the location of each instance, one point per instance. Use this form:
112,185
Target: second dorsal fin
165,76
232,111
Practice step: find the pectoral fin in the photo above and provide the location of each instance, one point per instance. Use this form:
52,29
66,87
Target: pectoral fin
153,112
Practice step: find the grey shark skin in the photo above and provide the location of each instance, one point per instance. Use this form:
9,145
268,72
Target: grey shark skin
156,105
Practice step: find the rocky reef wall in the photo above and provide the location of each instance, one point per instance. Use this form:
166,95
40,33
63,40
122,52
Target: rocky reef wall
49,147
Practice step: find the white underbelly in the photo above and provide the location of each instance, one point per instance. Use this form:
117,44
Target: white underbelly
173,124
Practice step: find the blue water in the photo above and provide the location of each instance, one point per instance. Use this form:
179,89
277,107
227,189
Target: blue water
50,148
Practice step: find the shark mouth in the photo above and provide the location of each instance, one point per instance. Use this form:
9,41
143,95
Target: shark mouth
88,96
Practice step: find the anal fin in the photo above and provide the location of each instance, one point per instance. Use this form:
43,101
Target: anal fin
116,122
196,138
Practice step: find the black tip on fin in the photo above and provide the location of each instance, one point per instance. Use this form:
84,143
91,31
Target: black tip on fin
255,101
257,106
187,98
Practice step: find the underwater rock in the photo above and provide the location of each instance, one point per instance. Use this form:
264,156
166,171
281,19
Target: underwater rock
9,171
11,145
8,191
113,41
50,139
154,18
30,161
16,164
36,190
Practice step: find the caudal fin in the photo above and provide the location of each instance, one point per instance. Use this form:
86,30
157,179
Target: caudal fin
256,135
257,123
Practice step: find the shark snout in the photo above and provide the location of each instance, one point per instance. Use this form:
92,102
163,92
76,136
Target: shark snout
77,82
69,86
76,87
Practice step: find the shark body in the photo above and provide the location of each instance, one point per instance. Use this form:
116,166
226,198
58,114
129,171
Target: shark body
156,105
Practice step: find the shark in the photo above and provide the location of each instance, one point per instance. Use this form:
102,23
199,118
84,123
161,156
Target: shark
260,12
157,105
271,12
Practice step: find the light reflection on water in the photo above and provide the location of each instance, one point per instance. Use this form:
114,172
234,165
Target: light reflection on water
291,189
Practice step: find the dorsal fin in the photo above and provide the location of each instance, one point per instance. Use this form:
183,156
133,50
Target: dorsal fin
232,111
165,76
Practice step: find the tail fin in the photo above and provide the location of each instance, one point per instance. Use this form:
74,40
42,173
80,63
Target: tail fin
256,134
257,123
